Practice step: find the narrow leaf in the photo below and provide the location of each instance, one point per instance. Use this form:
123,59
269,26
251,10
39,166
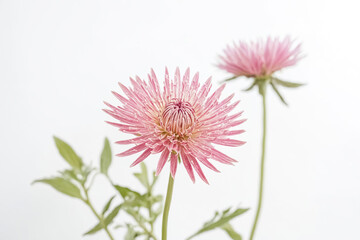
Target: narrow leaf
69,174
68,153
112,215
155,178
126,192
106,157
62,185
224,218
131,233
287,84
231,232
107,206
229,79
278,93
95,229
143,176
251,86
107,221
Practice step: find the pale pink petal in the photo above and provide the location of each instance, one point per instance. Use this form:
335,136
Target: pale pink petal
142,157
163,158
206,162
262,58
173,164
187,165
197,168
229,142
180,118
132,151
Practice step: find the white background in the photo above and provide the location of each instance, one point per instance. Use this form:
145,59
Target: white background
60,59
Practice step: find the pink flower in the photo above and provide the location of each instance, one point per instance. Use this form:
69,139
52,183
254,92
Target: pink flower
180,122
260,59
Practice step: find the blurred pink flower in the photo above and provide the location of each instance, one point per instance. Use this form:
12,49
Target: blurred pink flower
179,121
260,59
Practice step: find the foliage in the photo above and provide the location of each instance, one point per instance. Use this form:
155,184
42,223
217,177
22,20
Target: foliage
221,220
143,207
76,182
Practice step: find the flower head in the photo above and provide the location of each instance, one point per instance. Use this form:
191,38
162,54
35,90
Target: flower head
260,59
180,122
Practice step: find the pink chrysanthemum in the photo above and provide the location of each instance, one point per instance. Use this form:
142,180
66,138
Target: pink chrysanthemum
260,59
180,121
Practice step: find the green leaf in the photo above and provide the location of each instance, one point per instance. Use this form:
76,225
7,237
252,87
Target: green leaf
68,154
106,222
138,217
127,192
251,86
231,232
154,199
112,214
95,229
155,178
69,174
107,206
278,93
219,220
106,157
143,176
62,185
287,84
86,171
229,79
131,233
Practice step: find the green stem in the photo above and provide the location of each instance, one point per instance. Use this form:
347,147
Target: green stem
167,207
262,165
150,217
99,217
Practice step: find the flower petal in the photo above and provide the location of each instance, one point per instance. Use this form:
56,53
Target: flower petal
197,168
173,164
132,150
163,158
142,157
187,166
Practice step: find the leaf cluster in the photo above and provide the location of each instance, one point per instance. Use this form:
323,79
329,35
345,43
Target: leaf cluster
144,208
77,180
274,82
222,220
